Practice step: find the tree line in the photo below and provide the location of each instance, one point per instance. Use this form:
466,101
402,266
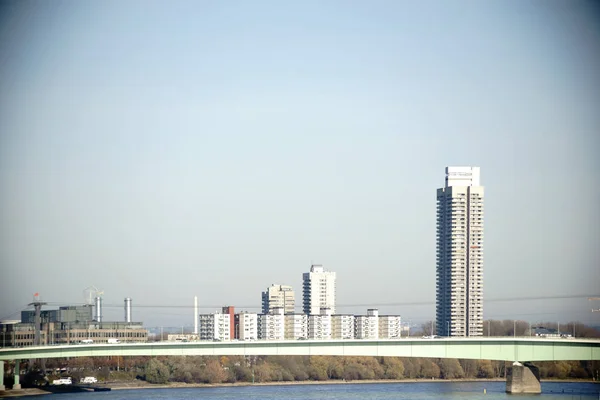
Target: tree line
248,369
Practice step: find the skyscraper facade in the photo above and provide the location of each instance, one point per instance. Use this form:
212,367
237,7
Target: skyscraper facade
318,290
459,271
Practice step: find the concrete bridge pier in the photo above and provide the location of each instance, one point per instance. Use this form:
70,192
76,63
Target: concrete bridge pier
2,387
523,378
17,384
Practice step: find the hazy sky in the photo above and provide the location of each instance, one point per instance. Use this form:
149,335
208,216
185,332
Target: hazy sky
165,149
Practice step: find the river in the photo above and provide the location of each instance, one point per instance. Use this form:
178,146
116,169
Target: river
362,391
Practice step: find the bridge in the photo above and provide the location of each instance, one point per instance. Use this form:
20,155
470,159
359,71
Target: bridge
516,350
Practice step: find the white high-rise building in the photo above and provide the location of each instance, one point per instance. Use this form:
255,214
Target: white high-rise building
318,290
367,326
272,326
248,326
296,326
278,296
214,326
459,303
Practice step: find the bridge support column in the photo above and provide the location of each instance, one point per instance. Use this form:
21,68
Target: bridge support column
2,387
17,384
523,378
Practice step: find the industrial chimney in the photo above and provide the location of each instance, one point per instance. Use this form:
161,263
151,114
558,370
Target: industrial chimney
127,309
98,317
195,315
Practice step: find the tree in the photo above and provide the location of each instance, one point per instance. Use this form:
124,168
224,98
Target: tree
469,367
214,372
156,372
485,369
429,369
318,368
450,368
393,368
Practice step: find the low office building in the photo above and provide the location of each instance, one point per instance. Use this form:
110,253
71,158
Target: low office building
296,326
342,326
367,326
186,337
56,333
215,326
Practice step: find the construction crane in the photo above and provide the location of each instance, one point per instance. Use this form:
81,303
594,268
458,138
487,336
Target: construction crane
594,299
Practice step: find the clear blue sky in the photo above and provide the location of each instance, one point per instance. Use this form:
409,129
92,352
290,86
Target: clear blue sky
165,149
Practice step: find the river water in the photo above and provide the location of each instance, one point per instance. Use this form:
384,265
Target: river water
363,391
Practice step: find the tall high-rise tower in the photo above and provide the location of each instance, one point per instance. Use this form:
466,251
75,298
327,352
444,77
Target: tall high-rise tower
459,303
318,290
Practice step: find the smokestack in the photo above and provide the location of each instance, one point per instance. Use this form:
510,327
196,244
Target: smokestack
98,309
127,309
195,315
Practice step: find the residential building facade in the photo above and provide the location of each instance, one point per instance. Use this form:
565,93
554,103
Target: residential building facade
248,326
278,296
296,326
390,327
319,326
318,290
459,269
272,326
215,326
367,326
342,326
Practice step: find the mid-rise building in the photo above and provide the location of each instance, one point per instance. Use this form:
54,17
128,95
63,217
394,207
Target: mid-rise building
459,270
367,326
248,326
319,325
272,326
318,290
342,326
390,326
296,326
230,310
215,326
278,296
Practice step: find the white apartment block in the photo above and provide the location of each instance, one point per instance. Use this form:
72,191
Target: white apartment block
214,326
272,326
296,326
278,296
319,326
367,326
459,269
318,290
342,326
390,326
248,326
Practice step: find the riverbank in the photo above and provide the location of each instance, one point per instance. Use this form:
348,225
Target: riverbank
139,384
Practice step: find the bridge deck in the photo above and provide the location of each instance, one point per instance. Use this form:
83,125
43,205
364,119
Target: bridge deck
505,349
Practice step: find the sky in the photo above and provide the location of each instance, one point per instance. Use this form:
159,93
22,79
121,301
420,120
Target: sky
162,150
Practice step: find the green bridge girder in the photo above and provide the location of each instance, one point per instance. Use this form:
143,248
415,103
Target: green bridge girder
503,349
